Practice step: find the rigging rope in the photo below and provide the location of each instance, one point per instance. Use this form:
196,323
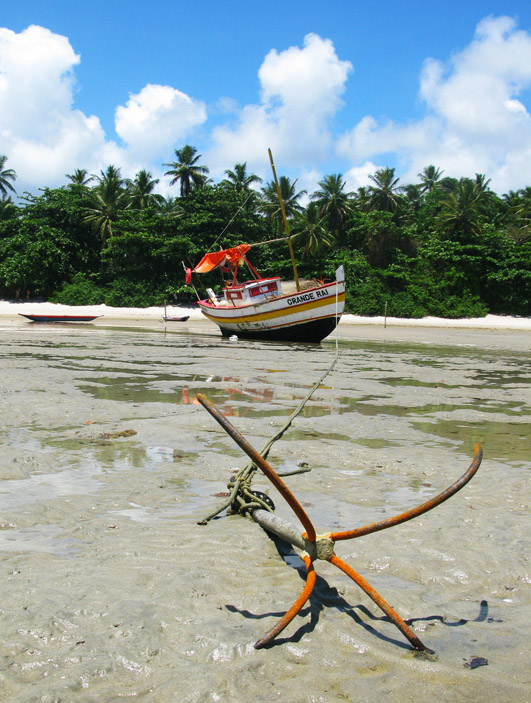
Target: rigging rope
230,221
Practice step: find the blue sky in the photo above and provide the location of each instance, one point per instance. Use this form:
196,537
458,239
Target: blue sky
340,87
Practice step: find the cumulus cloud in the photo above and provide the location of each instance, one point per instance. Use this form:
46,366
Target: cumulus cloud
358,176
35,79
476,116
157,116
40,132
300,91
475,119
45,137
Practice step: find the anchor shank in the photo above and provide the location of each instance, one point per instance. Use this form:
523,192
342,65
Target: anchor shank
278,526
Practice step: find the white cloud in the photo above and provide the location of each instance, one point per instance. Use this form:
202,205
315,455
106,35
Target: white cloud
300,92
312,78
157,116
368,138
476,116
476,120
36,80
475,92
45,137
358,176
40,132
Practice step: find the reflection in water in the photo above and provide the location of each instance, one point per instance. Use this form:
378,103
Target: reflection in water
510,441
38,538
45,487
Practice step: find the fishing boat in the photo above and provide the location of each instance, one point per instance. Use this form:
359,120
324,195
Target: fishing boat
261,308
265,308
59,318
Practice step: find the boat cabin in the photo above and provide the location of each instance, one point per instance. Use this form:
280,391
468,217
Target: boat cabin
252,291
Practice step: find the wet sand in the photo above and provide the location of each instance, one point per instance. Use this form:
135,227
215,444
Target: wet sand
111,590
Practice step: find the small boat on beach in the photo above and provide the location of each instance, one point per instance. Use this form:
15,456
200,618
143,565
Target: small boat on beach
266,308
59,318
169,318
173,318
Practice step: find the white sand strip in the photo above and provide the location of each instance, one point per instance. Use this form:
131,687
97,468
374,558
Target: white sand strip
12,308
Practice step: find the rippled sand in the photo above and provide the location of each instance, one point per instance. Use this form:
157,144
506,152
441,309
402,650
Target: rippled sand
111,590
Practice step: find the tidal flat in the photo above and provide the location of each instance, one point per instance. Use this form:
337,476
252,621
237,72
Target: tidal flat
110,590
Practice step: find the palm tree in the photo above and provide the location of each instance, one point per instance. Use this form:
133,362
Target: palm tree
105,202
140,191
332,200
482,183
413,196
186,170
270,204
512,199
171,207
384,194
80,177
448,184
460,210
6,175
362,199
239,179
112,177
429,178
516,217
309,227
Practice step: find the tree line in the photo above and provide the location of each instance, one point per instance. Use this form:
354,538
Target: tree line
442,246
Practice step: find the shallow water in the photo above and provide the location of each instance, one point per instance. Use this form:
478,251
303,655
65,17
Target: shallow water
111,590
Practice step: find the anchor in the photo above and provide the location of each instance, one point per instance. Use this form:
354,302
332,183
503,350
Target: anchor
314,546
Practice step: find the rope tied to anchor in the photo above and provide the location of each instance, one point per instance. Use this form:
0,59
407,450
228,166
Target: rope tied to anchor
244,477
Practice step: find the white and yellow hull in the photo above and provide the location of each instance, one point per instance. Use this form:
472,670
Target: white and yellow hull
305,316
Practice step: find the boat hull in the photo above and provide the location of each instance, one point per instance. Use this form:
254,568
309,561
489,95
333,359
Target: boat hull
309,332
305,316
59,318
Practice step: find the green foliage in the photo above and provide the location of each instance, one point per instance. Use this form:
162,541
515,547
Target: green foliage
124,293
508,285
444,246
36,258
80,291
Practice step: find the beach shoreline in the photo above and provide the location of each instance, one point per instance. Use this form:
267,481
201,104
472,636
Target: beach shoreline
13,308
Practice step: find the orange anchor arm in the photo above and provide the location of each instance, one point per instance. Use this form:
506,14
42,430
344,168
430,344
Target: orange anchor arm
295,608
380,602
262,464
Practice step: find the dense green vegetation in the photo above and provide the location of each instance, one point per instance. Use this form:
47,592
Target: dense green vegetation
442,246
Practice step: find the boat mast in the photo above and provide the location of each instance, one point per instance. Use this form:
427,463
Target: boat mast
286,226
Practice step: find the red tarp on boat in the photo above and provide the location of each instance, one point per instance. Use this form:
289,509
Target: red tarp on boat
232,256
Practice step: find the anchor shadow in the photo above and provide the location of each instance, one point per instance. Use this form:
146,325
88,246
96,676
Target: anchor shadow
326,596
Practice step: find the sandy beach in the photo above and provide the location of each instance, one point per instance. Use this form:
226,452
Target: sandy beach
111,590
492,331
492,322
